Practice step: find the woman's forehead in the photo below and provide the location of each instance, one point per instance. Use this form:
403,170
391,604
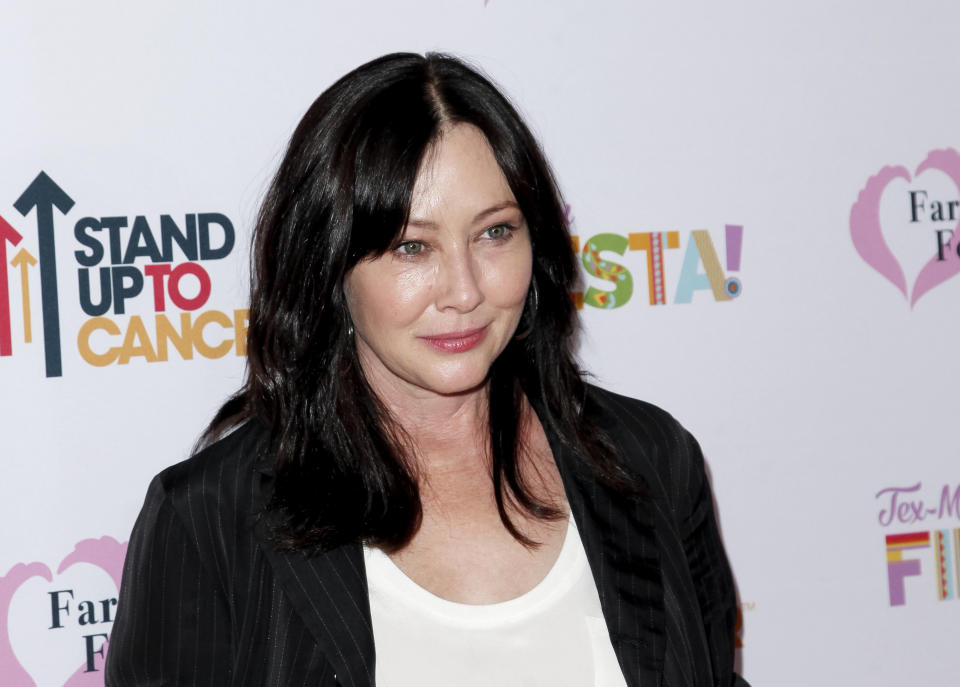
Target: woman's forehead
459,177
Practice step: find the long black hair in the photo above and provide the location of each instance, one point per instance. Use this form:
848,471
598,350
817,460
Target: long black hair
342,194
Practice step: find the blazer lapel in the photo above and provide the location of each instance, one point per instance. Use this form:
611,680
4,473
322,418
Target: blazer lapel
620,542
329,592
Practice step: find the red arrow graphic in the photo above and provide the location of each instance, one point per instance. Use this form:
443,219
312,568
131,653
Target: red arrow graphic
7,233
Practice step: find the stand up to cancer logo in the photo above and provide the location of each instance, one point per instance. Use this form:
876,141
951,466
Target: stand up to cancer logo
125,268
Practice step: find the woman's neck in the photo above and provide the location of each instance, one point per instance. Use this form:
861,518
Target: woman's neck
445,429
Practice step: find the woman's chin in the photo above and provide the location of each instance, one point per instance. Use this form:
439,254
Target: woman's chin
456,382
456,387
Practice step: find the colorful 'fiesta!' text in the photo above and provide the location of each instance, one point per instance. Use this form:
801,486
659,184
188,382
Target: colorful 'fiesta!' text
151,264
656,246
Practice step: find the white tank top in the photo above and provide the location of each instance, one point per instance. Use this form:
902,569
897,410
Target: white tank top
552,636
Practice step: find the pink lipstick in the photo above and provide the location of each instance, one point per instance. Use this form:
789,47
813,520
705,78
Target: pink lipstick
456,342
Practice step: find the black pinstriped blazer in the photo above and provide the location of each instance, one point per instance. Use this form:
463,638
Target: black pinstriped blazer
205,601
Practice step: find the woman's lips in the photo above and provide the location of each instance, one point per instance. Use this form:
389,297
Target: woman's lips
456,342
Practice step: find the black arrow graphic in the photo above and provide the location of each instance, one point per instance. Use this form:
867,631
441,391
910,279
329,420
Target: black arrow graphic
44,194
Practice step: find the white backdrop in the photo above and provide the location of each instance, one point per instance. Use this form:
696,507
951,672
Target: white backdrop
823,399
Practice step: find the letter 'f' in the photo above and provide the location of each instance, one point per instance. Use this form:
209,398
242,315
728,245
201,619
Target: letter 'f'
899,568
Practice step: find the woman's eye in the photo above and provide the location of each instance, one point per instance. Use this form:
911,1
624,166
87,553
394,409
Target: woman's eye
410,248
498,231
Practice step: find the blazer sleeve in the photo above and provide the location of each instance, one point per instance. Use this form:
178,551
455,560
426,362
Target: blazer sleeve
172,625
708,563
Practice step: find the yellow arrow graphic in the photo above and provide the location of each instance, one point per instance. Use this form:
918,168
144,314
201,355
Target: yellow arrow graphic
25,261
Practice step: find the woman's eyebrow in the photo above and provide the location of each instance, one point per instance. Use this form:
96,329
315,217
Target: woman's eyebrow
422,224
483,214
480,216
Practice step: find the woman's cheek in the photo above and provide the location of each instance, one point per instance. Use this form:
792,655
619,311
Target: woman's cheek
413,286
513,278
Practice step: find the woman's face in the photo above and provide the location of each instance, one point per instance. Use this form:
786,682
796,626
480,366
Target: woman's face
433,312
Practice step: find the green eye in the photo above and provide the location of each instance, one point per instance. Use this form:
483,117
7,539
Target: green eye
499,231
411,248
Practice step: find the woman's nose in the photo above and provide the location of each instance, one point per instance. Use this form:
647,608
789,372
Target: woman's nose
459,283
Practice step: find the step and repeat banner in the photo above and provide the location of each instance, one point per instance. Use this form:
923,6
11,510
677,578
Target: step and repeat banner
764,199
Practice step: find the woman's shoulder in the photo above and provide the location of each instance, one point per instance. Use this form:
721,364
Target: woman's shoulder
222,475
649,439
605,406
645,422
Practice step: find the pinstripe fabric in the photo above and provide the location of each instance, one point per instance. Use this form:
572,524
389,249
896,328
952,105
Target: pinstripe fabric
205,601
663,577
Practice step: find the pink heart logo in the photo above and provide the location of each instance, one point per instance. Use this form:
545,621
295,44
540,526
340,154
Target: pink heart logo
865,229
105,553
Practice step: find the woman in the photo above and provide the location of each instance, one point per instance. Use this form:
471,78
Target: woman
415,462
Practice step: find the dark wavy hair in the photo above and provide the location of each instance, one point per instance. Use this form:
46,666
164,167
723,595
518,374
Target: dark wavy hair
342,194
